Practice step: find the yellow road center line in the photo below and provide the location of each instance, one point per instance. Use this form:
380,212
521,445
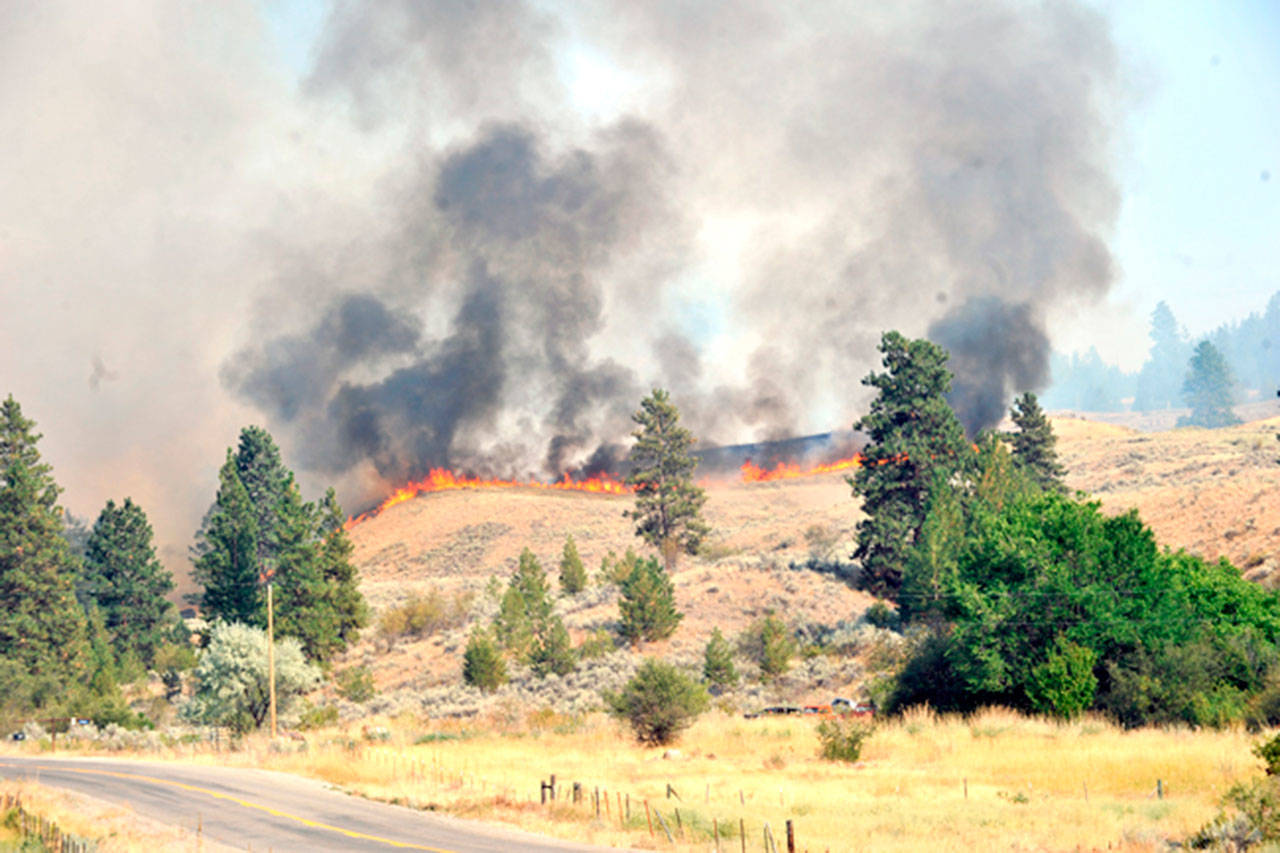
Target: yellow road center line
248,804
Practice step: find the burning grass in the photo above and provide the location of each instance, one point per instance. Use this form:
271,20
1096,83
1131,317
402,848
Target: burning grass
997,780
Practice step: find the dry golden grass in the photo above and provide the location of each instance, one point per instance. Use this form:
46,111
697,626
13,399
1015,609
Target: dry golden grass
996,781
117,829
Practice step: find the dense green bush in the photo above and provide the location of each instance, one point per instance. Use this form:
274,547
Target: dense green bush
881,615
659,702
482,664
1044,603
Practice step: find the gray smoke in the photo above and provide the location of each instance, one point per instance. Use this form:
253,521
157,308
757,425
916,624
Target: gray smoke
897,167
474,234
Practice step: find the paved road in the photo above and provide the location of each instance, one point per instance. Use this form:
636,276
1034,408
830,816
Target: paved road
264,810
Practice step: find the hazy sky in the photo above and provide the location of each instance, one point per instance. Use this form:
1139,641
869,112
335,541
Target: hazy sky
258,212
1199,166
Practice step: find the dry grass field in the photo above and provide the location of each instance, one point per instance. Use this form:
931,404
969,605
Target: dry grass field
117,829
995,781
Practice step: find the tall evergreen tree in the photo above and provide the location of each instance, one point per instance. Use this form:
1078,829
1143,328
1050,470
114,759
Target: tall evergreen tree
298,589
1034,444
648,606
341,580
913,435
260,526
227,564
123,579
266,481
668,510
1208,389
42,627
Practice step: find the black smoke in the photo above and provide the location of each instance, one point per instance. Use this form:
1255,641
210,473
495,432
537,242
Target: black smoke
997,351
936,170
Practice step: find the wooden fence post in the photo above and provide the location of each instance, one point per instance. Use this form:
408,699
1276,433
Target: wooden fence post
648,817
791,837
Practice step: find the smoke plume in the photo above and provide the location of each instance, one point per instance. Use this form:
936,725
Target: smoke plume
474,235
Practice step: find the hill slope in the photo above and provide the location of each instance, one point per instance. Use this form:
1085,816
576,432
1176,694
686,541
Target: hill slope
1215,492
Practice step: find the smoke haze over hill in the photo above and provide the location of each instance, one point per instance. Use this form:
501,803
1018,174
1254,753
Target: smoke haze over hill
474,235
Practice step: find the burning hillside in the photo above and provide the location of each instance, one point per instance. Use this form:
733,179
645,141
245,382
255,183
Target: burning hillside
441,479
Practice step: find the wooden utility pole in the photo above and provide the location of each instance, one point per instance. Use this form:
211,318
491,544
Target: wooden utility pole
271,658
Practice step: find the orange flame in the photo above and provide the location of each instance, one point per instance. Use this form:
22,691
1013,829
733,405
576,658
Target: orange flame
752,473
440,480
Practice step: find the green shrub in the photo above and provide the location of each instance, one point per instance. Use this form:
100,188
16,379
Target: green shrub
1063,686
552,651
616,571
355,684
647,606
317,716
231,678
770,644
842,739
717,661
881,615
1269,751
596,645
573,575
423,615
659,702
482,664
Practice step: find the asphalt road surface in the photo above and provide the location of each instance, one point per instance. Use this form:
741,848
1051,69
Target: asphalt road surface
264,810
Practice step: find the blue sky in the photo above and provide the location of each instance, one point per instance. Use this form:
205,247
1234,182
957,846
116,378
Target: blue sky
1197,154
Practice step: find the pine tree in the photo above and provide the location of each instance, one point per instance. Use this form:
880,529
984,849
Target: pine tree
266,481
42,627
647,606
298,587
482,664
717,661
913,434
668,511
1208,389
227,564
552,650
525,608
573,575
259,525
349,611
123,579
1034,444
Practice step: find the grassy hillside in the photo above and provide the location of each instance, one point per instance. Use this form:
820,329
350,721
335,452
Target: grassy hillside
1214,492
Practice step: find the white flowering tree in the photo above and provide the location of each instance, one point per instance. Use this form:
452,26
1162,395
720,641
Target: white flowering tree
231,678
